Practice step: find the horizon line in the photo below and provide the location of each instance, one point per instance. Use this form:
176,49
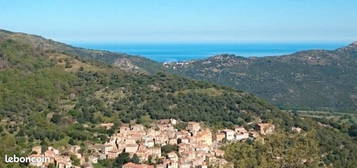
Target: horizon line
209,42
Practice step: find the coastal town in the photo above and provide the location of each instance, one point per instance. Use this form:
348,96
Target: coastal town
195,146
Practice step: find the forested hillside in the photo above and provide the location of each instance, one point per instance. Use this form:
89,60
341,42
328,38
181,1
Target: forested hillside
55,98
308,80
120,60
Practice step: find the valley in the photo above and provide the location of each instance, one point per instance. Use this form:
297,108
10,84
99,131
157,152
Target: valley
64,100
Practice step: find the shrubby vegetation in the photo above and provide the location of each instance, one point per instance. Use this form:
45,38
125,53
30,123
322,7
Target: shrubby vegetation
316,146
169,148
279,150
307,80
45,102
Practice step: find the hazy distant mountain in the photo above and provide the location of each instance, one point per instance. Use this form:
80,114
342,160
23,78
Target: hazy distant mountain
313,79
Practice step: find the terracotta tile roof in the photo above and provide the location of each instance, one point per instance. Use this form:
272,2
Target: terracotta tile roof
133,165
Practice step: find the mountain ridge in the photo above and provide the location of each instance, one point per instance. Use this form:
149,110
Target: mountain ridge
284,80
53,98
121,60
301,80
31,61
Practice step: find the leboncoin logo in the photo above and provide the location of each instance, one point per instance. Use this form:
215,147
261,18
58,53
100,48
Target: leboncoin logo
16,159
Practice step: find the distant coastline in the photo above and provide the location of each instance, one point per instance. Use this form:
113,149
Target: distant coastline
184,52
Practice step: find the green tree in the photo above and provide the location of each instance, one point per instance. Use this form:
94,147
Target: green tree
169,148
145,120
75,160
135,159
121,160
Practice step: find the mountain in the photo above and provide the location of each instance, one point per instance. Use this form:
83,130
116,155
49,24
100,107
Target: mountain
37,77
309,80
55,97
54,94
306,80
120,60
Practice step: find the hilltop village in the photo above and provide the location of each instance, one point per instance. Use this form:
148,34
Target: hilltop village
194,146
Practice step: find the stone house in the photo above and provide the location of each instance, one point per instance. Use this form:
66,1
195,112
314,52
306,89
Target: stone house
193,127
266,128
229,134
173,156
133,165
131,148
241,136
220,136
37,149
204,137
63,162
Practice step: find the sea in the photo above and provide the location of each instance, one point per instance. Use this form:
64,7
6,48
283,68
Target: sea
170,52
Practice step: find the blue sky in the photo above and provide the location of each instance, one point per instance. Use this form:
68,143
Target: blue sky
183,20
